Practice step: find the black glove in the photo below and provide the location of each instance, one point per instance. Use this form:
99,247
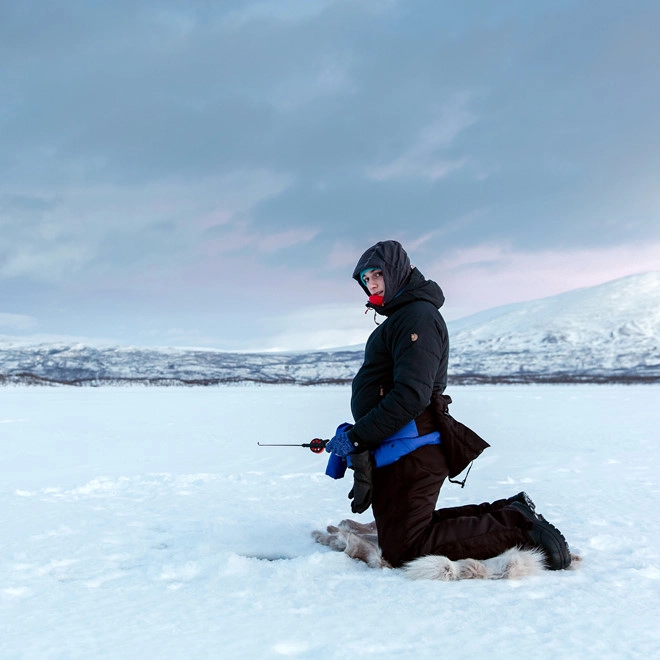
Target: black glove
360,495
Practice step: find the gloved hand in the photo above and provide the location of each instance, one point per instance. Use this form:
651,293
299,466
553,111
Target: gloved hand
340,445
361,493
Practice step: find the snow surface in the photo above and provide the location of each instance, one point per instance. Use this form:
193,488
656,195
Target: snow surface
147,523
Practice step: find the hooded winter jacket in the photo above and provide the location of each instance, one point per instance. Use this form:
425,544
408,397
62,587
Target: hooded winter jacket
406,356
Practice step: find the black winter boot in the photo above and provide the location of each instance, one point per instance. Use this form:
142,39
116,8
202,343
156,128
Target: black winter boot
524,498
547,537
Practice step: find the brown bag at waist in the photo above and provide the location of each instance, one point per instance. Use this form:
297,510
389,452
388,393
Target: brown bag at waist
460,443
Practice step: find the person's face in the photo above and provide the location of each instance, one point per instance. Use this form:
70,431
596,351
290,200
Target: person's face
374,282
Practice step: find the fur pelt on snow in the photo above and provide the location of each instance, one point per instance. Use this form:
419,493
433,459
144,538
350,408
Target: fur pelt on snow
360,541
356,540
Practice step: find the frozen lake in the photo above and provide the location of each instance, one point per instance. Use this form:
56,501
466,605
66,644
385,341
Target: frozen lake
132,521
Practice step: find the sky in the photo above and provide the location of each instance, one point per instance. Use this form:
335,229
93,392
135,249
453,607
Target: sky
206,174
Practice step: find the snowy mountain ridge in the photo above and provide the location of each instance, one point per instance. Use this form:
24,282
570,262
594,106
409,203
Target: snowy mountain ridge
605,333
609,331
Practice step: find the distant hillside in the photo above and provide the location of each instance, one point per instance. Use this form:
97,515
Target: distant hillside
84,365
606,333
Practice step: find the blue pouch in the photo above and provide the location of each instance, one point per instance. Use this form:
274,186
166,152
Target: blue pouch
337,466
401,443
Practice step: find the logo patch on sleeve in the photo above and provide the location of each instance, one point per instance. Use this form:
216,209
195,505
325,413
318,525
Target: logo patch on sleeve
414,336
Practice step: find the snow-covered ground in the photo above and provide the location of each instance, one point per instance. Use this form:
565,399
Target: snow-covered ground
147,523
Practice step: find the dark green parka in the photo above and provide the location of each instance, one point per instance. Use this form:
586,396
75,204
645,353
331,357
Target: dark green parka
405,357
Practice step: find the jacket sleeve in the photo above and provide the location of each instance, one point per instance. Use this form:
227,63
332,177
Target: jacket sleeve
416,343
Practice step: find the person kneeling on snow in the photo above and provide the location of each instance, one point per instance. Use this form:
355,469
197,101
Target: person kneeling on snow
399,459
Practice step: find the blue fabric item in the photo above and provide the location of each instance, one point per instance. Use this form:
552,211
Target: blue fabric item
403,442
340,445
337,465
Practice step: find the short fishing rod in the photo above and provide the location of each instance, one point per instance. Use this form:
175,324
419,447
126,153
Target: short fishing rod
316,445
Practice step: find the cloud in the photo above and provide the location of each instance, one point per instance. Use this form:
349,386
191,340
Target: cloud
282,10
415,165
489,275
285,239
241,236
17,322
106,227
343,255
170,159
421,159
44,262
320,326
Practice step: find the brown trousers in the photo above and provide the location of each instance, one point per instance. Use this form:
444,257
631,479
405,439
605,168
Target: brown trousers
405,495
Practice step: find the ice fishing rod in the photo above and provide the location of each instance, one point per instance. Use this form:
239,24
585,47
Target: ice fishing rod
316,445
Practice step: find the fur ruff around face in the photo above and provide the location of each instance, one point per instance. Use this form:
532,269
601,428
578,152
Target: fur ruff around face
360,541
